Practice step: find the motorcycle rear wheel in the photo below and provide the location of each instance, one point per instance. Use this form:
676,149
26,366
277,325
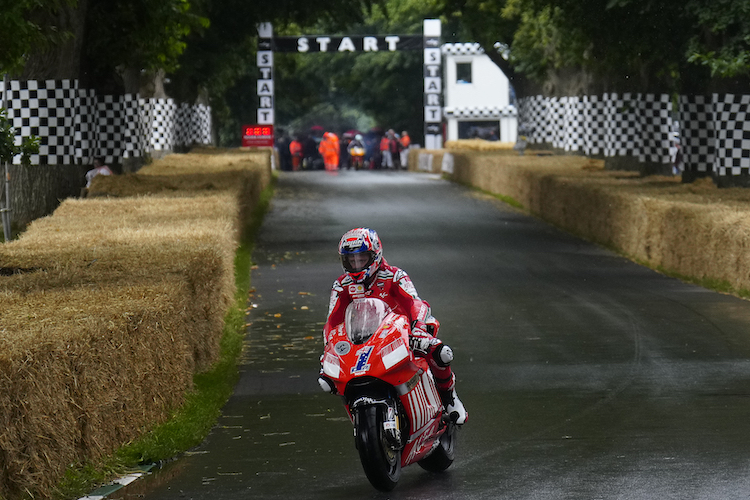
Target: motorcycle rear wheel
382,464
443,455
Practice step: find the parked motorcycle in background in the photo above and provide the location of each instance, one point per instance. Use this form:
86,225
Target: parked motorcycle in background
389,394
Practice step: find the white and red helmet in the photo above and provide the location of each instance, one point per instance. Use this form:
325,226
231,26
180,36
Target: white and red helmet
361,253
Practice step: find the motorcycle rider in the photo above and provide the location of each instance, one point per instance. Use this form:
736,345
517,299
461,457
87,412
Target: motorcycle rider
367,274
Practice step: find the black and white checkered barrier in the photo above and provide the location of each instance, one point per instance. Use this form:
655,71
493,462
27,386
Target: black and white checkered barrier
714,130
611,125
732,135
697,136
75,125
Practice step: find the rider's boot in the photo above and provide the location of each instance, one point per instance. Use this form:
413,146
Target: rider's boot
454,407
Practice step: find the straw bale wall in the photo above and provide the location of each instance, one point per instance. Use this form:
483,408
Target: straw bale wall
695,230
111,304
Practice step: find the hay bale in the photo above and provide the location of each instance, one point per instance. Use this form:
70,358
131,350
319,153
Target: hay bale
694,230
111,304
81,378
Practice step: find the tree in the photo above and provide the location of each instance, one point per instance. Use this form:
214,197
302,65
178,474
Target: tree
722,41
129,37
590,46
28,26
8,148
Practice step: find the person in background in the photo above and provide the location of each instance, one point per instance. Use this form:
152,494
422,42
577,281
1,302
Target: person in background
405,141
99,169
394,149
329,149
385,151
356,151
282,146
295,149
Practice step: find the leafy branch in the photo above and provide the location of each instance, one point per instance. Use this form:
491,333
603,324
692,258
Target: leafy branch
8,148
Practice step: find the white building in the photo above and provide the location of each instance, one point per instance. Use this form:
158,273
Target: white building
477,96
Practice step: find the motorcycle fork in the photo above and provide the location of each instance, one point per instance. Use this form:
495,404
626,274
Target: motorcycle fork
392,428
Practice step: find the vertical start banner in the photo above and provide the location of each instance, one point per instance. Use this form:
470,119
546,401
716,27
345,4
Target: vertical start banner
433,85
265,68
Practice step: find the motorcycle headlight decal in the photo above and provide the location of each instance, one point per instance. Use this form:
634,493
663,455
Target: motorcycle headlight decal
394,353
331,366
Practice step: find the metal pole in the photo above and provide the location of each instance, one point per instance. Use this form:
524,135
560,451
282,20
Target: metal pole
7,231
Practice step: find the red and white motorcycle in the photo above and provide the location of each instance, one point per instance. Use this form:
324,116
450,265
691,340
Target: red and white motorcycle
389,393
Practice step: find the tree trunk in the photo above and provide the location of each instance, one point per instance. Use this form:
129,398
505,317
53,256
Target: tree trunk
62,61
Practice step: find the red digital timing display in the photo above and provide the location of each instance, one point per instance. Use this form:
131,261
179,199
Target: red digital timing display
257,136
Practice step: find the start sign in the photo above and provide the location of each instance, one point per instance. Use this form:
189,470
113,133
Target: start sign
254,136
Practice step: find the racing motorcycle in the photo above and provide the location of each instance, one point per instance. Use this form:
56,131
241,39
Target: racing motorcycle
389,394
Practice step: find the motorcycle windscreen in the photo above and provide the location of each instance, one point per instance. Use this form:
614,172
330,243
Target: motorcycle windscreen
363,317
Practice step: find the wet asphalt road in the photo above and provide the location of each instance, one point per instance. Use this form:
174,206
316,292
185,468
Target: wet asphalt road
585,375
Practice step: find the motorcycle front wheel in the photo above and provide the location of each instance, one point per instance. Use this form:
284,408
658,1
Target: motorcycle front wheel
382,464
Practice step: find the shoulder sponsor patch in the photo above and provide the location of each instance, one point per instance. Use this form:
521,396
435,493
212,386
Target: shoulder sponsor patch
407,286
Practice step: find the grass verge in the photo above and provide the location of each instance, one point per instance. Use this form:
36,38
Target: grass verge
189,424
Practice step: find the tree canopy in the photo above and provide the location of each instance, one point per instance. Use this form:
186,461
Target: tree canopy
643,45
207,49
27,26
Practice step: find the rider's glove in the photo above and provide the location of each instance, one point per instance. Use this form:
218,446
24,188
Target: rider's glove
420,341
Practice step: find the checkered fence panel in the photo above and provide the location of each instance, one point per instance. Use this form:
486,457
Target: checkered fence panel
697,136
594,125
533,119
133,140
86,126
44,109
572,124
555,122
732,126
162,132
110,126
622,127
182,120
74,125
656,126
201,124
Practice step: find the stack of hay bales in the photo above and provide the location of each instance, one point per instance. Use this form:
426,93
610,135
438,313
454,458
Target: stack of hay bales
111,304
697,231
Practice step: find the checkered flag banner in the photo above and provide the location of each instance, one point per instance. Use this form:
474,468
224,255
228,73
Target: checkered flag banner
74,125
611,125
732,135
714,131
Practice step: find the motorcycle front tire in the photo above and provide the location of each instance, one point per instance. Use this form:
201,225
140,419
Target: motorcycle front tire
381,463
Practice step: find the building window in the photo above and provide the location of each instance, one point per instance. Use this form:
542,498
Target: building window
487,130
463,72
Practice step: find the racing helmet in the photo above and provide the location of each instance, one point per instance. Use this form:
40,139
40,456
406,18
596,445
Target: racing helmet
361,253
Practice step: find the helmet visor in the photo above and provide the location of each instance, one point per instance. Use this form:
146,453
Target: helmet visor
357,262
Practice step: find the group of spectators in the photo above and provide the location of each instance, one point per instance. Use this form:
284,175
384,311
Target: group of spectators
325,150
